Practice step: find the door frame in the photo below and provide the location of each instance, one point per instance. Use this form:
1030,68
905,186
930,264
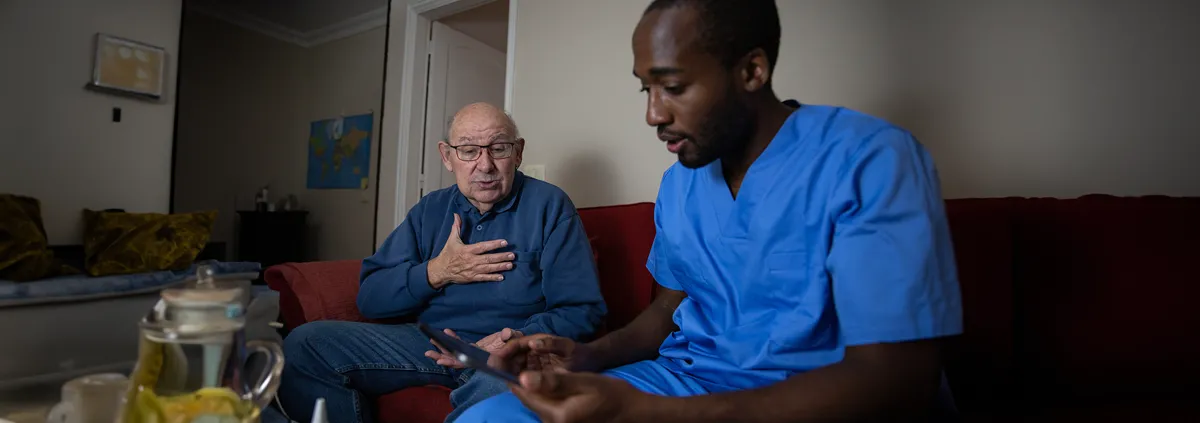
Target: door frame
419,18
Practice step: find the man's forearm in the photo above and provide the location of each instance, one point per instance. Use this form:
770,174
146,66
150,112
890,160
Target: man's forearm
393,292
896,382
640,339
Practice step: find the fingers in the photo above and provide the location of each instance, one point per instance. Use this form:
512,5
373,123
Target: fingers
555,384
455,233
440,347
490,343
444,360
498,258
491,269
450,332
486,276
545,408
551,345
485,246
511,357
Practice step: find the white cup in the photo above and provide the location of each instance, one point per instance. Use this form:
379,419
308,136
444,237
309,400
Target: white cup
90,399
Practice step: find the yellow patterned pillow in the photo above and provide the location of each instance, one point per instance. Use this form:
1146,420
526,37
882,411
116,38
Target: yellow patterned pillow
116,243
25,254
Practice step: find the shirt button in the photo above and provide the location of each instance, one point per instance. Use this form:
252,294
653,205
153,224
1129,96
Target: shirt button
479,228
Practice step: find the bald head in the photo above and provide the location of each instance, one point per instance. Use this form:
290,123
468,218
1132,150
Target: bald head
476,116
483,150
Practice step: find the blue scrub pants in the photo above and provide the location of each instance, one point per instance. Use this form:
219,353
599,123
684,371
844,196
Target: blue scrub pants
646,376
650,377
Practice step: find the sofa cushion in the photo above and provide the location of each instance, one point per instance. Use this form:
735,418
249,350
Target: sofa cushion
1108,287
25,254
117,243
427,404
324,290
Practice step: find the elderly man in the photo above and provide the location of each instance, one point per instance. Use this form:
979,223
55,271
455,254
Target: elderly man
496,256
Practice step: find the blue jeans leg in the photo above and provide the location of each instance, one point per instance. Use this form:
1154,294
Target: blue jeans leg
349,364
478,387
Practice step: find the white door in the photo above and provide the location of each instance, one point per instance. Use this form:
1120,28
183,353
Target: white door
462,70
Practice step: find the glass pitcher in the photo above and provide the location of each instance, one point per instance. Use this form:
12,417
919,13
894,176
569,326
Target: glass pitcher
193,356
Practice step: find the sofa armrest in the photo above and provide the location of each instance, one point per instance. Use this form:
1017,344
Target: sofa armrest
323,290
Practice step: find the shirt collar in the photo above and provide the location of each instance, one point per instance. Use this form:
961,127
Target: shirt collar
465,206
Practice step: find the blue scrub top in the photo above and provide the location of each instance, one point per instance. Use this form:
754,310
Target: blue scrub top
838,237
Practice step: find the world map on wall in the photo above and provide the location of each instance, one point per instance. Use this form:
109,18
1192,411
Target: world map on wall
339,152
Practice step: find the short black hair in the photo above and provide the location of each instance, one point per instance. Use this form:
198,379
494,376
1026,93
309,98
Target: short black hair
731,28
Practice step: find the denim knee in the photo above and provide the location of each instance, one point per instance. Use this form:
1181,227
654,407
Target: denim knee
300,346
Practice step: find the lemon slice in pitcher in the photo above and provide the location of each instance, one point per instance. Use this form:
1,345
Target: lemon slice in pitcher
207,405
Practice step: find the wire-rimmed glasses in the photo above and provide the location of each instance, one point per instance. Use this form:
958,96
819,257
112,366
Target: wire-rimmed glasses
471,152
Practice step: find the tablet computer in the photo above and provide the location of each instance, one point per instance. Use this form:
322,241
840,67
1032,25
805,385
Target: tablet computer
470,355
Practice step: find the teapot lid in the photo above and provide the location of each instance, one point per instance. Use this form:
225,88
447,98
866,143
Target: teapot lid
202,302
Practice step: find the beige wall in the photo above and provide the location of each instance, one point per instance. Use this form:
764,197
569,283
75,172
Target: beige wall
1023,98
247,125
57,140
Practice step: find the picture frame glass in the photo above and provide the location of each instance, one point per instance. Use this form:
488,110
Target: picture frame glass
128,66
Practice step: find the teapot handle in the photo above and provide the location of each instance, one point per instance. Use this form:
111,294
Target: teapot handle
60,413
264,391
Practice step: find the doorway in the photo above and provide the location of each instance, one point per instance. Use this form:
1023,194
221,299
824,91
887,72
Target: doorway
466,62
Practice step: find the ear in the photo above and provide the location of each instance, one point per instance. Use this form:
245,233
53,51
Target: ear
444,150
519,154
755,70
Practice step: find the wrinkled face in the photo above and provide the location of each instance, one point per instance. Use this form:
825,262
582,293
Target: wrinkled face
484,155
694,102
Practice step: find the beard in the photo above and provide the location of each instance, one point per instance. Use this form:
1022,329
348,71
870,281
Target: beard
722,132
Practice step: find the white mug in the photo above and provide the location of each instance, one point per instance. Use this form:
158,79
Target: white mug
90,399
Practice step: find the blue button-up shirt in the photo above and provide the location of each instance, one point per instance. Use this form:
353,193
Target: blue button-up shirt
552,288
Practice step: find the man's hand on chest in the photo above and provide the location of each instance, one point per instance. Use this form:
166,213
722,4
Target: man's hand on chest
468,263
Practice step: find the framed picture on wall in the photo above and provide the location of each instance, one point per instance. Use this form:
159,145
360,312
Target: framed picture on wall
128,67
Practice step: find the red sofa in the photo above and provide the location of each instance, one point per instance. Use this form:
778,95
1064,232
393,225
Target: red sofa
1073,307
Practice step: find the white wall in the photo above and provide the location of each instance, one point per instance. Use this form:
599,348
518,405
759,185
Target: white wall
57,140
389,149
1023,98
245,126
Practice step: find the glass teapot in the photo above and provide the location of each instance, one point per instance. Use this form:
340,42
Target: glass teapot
193,358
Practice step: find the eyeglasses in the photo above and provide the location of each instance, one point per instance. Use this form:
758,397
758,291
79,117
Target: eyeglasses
468,152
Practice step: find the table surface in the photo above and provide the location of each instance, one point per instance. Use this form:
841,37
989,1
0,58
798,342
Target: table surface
29,403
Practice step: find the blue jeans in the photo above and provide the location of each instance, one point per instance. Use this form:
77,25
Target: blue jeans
350,364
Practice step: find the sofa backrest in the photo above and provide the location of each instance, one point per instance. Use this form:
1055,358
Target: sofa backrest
1106,290
1076,299
981,363
621,237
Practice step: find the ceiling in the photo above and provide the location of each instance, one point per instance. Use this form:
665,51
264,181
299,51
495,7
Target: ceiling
303,22
312,22
301,15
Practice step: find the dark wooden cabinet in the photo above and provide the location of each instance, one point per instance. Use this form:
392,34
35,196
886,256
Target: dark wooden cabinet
271,238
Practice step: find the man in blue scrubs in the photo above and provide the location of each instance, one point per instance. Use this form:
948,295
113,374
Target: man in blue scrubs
496,256
803,254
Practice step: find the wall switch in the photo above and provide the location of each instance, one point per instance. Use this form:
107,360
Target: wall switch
536,171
